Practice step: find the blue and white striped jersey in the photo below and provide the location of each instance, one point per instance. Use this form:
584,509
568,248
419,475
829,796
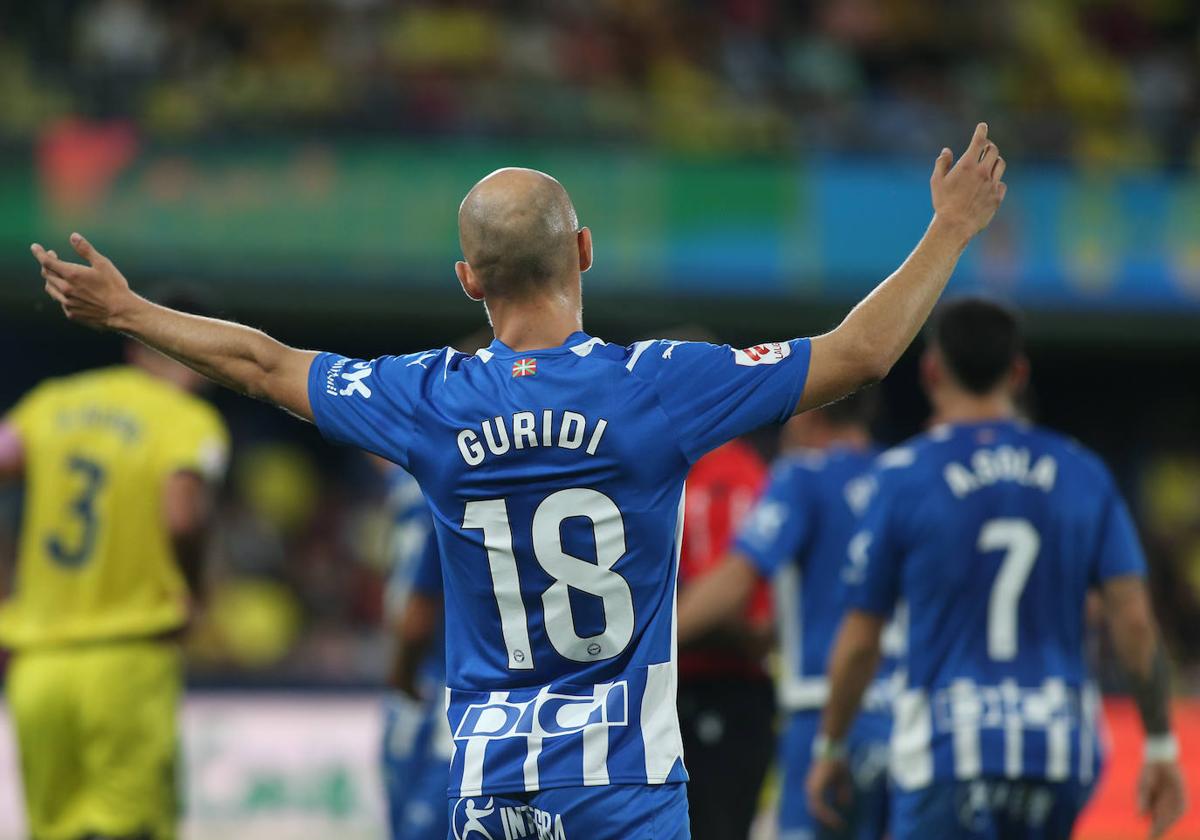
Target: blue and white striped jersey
555,479
993,533
798,535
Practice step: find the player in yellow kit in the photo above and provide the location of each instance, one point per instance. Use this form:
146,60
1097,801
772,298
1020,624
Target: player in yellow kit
118,466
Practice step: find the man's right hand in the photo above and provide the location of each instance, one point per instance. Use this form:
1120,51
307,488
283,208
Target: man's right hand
1161,795
94,294
967,194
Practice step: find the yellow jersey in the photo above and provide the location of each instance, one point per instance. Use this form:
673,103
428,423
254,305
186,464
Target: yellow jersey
95,560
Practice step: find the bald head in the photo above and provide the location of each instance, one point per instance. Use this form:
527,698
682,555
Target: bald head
518,232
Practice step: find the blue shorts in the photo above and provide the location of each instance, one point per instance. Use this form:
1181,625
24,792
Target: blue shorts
608,812
416,767
867,815
989,809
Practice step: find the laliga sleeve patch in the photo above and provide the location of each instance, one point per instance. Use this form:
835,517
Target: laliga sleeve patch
763,354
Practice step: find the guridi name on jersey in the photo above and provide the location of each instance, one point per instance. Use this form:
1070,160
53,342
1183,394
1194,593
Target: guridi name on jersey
528,429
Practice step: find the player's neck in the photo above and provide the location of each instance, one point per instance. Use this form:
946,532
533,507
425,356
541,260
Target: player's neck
535,324
969,408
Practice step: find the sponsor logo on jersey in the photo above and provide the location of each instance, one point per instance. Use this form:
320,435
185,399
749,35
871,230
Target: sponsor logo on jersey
526,821
469,815
475,819
546,715
763,354
353,381
524,367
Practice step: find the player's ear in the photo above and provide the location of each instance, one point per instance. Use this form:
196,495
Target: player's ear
1018,375
584,238
931,371
470,283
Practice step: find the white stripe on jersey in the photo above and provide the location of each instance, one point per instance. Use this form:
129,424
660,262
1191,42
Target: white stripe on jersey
660,722
1058,732
449,734
473,754
660,718
965,713
912,759
639,347
788,606
585,348
1014,733
1089,733
595,744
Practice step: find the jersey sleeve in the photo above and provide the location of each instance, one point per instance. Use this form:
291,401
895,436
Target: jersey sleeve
778,524
875,555
713,394
1119,551
198,442
369,404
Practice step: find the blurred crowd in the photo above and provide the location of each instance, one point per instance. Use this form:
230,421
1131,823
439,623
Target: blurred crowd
1106,82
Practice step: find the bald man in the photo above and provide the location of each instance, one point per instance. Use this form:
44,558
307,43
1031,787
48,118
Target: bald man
554,465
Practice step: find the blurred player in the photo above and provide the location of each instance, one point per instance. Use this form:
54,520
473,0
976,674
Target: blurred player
417,745
994,531
726,710
119,466
797,536
554,465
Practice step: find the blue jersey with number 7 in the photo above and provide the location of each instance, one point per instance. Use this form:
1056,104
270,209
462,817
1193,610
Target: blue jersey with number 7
993,534
555,479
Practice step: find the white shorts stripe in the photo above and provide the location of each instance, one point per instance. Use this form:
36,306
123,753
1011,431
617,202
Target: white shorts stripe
964,714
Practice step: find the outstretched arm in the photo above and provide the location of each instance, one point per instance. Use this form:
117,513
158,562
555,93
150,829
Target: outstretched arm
862,349
1134,633
244,359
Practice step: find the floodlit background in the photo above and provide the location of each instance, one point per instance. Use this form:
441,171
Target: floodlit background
746,165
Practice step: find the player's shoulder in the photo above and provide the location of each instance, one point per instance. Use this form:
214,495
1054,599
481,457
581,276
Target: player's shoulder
655,357
903,457
344,376
908,462
156,398
45,392
200,412
433,361
1071,455
799,471
103,379
116,384
646,359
